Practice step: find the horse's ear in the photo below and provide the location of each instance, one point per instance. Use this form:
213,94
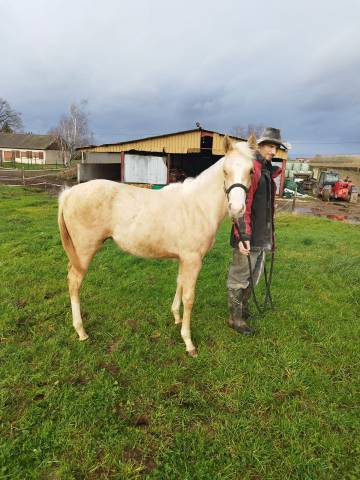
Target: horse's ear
228,144
252,142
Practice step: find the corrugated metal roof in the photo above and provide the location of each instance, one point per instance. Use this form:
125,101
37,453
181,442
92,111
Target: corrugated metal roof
168,144
178,142
183,142
182,132
26,141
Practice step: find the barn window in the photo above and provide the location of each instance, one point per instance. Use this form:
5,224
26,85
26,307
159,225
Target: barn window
41,155
206,141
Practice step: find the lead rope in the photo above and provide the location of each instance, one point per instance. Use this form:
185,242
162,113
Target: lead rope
268,296
268,280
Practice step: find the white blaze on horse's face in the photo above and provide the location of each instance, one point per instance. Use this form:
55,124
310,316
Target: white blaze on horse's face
238,165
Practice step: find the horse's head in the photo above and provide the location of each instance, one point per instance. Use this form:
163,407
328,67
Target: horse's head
238,167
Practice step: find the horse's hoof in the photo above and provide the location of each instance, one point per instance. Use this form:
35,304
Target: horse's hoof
192,353
83,337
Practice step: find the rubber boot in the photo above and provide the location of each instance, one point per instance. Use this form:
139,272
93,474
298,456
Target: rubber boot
246,294
236,309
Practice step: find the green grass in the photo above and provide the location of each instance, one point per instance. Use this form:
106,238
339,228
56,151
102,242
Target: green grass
130,404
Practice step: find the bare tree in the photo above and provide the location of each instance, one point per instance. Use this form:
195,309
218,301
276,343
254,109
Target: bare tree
10,121
73,131
243,131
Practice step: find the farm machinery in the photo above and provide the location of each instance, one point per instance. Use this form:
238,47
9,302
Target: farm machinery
331,187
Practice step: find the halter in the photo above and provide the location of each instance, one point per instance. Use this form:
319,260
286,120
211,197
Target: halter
234,185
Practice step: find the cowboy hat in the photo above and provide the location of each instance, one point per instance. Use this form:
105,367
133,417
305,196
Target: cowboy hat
271,135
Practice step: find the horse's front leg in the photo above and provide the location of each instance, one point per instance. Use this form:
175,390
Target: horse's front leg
190,269
175,308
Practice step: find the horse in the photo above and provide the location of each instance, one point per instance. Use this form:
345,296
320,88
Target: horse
179,221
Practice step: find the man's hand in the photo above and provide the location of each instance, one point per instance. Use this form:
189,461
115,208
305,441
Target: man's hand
244,247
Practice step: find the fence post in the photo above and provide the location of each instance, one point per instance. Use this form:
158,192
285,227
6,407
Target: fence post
23,176
294,199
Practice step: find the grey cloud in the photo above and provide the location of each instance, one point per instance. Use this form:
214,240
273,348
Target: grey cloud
153,67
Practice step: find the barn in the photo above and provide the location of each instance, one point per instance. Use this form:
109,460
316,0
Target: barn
30,149
157,160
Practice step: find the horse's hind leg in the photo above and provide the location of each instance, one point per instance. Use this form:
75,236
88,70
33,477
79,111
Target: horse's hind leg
190,270
175,308
75,278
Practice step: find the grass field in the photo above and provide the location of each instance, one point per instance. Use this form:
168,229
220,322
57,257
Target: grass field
129,403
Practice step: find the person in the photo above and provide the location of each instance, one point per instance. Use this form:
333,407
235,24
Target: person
256,231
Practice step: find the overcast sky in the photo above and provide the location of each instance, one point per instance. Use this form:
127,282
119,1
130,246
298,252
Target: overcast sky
158,66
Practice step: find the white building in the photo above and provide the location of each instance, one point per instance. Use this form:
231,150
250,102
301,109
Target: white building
30,149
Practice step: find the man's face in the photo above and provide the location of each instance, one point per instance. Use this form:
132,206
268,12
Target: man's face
268,150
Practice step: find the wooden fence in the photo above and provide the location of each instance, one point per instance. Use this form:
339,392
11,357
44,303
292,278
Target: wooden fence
44,179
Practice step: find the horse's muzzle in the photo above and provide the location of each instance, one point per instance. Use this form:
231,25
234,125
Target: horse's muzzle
236,214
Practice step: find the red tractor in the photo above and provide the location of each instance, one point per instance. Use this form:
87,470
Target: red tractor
331,187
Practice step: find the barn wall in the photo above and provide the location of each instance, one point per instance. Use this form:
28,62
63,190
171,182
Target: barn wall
92,171
97,157
53,157
145,169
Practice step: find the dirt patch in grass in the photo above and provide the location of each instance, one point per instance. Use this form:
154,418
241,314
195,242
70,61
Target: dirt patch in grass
141,421
173,391
39,397
79,380
51,294
102,473
21,303
114,346
137,457
282,395
132,324
111,368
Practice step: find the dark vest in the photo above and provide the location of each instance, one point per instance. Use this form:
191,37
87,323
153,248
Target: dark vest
261,210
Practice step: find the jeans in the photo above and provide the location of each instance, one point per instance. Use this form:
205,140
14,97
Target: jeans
238,276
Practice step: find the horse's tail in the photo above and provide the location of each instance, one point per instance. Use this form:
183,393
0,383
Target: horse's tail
65,235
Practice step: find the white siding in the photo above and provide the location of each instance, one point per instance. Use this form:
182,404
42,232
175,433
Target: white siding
145,169
277,180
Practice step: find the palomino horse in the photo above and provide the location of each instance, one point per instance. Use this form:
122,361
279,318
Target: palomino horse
179,221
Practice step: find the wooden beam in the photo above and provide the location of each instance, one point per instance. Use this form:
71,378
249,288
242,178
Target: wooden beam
168,163
122,166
